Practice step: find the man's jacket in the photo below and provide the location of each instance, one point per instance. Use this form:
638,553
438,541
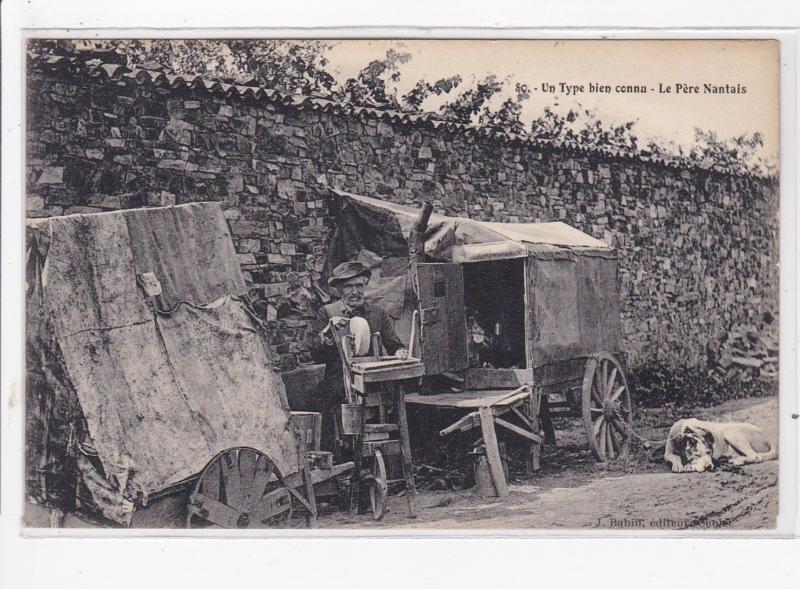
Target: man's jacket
332,387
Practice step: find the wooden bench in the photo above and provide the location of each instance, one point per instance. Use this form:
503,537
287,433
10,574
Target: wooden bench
485,410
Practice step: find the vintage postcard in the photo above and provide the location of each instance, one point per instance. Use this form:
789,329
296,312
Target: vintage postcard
414,285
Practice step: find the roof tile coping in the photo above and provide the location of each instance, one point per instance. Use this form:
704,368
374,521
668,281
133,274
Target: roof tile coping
121,73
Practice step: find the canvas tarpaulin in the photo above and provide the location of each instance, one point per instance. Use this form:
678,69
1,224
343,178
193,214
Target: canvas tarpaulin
574,308
189,250
158,384
384,227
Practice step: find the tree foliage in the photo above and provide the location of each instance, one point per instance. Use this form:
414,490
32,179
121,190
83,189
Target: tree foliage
509,115
582,127
376,85
369,87
414,98
467,107
743,151
292,67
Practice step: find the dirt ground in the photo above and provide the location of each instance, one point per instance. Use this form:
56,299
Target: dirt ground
572,492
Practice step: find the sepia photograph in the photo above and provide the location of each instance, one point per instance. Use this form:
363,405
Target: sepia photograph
413,285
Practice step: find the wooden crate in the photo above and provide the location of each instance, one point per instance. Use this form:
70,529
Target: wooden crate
308,425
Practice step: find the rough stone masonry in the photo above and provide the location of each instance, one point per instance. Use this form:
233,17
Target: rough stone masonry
698,247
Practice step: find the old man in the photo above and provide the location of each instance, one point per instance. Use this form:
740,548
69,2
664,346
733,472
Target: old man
350,279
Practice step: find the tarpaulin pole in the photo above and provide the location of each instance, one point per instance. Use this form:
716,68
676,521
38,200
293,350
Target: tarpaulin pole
416,241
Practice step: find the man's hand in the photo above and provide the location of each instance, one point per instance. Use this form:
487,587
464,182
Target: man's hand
339,322
325,337
402,354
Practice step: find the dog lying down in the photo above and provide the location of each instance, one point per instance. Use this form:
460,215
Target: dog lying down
696,446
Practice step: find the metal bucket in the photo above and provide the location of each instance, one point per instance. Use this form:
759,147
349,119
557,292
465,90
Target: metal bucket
484,484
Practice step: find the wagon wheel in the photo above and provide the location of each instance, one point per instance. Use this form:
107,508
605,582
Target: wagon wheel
606,407
240,488
378,488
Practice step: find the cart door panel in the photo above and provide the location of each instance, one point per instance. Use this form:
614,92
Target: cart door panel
442,317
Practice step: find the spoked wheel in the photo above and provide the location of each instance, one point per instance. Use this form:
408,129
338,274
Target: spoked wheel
378,487
606,407
240,488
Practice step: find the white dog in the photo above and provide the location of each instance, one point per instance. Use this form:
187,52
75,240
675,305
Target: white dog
696,446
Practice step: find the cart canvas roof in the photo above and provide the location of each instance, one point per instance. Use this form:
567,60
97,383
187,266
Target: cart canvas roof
460,239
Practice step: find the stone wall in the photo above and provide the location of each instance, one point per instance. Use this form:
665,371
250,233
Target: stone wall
698,249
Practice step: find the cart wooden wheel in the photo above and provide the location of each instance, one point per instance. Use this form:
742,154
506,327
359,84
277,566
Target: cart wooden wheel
606,407
240,488
378,487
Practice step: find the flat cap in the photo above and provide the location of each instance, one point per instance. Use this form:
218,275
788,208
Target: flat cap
348,270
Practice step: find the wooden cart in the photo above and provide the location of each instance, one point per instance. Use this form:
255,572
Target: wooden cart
500,305
568,343
544,294
171,374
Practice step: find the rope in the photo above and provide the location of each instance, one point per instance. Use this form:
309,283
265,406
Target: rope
647,443
642,452
179,304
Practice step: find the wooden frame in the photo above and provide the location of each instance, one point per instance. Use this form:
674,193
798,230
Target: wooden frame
528,315
488,407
